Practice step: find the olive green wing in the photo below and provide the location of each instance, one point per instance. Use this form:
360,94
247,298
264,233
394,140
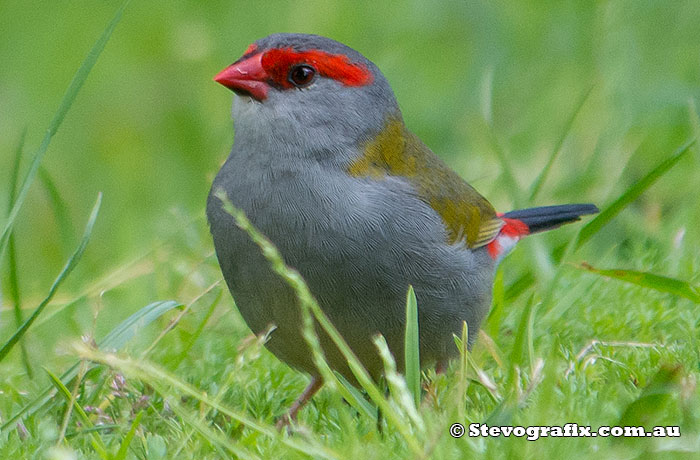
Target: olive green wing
467,215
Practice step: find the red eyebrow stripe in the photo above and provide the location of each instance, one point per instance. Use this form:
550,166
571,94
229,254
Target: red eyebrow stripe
278,61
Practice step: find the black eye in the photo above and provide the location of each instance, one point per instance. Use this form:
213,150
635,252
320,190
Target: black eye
301,75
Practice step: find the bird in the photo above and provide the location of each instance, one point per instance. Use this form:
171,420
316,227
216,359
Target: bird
324,166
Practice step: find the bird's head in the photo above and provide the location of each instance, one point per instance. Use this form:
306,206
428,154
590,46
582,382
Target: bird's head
309,90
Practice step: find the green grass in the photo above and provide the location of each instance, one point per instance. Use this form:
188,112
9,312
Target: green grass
533,105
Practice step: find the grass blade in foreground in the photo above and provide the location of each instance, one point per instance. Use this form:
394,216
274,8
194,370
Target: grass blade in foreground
307,304
95,439
462,345
13,276
59,208
507,174
631,194
115,340
599,221
68,98
411,349
155,376
121,334
124,447
215,438
72,262
310,306
523,347
358,401
653,404
649,280
402,397
537,184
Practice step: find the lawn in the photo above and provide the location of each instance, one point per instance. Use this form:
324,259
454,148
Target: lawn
119,339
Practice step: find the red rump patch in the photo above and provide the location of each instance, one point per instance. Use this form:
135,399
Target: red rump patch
494,248
278,62
513,229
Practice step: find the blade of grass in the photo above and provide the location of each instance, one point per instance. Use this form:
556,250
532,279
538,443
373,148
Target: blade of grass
218,395
65,105
73,396
60,209
330,378
70,265
523,347
176,321
652,404
411,348
115,340
695,124
358,400
467,361
95,439
98,379
174,363
462,383
14,177
121,334
631,194
486,93
158,377
487,112
649,280
495,315
14,288
518,286
398,389
126,442
694,211
537,184
94,429
220,442
511,184
135,268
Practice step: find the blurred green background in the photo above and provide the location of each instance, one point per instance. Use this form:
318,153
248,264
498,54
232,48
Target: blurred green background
150,127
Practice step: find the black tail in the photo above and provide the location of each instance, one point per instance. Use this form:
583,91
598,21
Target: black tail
549,217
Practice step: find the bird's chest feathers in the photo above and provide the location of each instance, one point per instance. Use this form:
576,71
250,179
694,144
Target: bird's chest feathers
294,203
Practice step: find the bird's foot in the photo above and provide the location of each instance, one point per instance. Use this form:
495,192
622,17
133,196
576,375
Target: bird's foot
291,416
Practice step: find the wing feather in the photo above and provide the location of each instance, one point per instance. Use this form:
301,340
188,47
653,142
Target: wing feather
467,215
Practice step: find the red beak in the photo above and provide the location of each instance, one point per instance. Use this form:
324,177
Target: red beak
247,77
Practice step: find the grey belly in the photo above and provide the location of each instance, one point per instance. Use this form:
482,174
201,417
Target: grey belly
358,270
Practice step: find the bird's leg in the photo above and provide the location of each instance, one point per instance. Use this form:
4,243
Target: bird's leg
380,415
314,385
